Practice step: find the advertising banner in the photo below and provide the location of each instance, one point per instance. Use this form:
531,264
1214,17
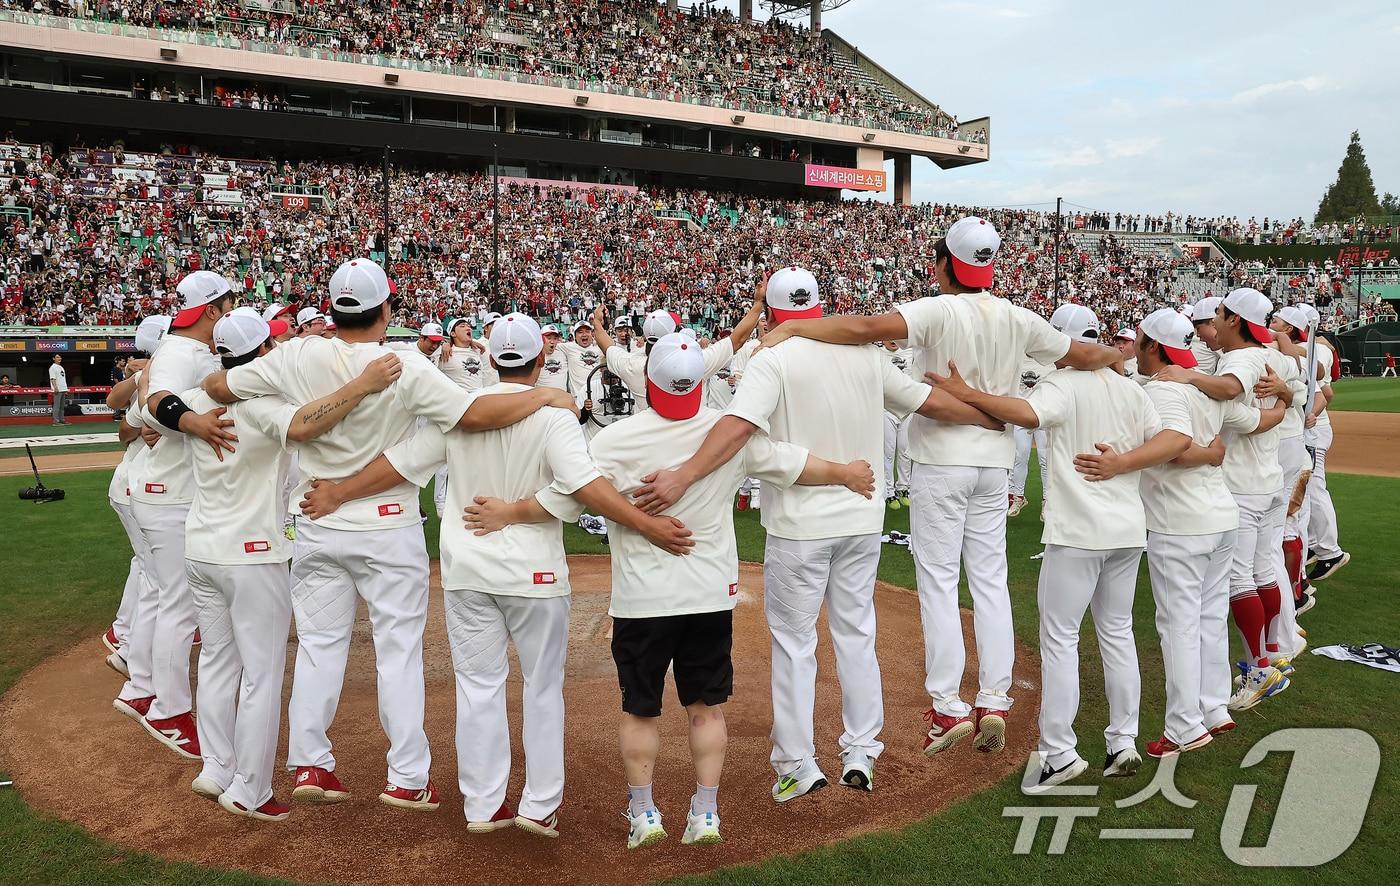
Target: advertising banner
845,177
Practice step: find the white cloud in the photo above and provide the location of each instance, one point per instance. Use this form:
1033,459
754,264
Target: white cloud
1254,93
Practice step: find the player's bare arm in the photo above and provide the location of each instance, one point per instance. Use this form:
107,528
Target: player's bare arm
171,413
127,433
494,411
856,476
843,329
122,392
1107,463
666,533
487,514
319,416
1195,455
1216,387
1273,386
663,489
600,330
749,322
326,496
1006,409
1088,357
944,407
215,384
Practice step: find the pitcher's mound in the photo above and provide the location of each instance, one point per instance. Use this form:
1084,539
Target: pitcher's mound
71,755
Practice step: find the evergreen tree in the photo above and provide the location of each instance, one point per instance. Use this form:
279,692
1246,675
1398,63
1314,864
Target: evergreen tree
1390,204
1353,193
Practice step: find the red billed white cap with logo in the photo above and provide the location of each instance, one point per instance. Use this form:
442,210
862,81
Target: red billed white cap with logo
1126,334
197,290
1078,322
675,369
974,244
1254,308
659,324
274,310
1173,332
357,286
1297,318
793,294
150,332
431,331
240,332
515,339
1204,310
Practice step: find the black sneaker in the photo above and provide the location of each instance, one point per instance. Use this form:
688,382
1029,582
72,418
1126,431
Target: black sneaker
1311,558
1050,778
1325,569
1122,764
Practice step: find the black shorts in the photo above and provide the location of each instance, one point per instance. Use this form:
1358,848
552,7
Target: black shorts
697,647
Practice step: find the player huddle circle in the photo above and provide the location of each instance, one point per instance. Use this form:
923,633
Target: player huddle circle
272,473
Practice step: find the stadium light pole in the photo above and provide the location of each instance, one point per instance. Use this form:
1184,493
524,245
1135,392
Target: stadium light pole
1056,296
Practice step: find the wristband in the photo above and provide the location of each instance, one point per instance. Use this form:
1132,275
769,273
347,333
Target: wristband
169,411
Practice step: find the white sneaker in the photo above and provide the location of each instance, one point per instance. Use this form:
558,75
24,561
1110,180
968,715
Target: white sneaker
1122,764
206,788
701,829
1050,777
118,664
803,781
858,772
644,829
1256,685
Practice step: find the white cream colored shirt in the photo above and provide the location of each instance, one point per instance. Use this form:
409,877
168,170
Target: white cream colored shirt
178,364
1251,461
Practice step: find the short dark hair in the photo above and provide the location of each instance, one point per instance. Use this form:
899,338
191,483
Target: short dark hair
359,320
1245,332
519,370
229,361
940,252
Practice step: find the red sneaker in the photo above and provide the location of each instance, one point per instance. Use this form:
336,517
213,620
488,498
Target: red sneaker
1222,728
543,827
504,818
991,730
197,639
272,810
421,799
316,785
1165,747
135,708
177,733
944,732
110,640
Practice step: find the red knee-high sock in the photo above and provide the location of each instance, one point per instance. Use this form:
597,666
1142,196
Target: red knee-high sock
1293,563
1249,618
1271,599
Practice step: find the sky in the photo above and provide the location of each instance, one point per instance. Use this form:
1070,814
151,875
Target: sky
1234,107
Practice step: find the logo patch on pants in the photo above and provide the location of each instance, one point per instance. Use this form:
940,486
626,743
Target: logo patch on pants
256,547
390,510
155,489
544,578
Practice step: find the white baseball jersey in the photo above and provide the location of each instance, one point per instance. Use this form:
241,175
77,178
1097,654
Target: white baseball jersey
178,364
1078,409
119,488
988,337
554,371
306,369
827,399
1251,461
581,361
1325,359
513,463
648,582
1206,359
632,367
454,366
237,515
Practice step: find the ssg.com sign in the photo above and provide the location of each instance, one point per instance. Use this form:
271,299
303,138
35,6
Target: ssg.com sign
1316,817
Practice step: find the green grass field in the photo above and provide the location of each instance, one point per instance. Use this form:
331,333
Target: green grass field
54,599
74,429
1366,395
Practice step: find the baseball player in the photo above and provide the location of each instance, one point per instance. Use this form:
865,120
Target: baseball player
1322,519
554,368
1203,346
582,356
822,546
1191,524
1094,538
373,549
1031,372
959,488
511,586
897,438
1289,326
160,504
310,322
236,561
1253,476
430,339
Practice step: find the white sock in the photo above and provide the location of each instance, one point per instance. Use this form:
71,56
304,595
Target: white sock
639,799
705,800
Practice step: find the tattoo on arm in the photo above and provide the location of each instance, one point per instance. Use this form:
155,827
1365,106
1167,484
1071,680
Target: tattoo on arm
321,412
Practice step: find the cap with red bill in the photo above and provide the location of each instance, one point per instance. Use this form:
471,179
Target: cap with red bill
675,370
1173,332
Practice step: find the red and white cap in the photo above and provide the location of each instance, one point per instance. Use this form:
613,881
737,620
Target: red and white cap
240,331
357,286
1076,321
309,315
515,339
1297,318
274,310
150,333
431,331
1254,308
974,244
659,324
278,327
551,329
582,324
793,294
675,370
197,291
1173,332
1204,310
1125,334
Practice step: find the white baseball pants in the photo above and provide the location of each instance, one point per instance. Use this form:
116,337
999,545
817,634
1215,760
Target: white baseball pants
135,576
389,569
1322,520
798,576
1103,582
1191,587
897,454
1024,437
960,512
172,629
440,489
244,614
1252,563
289,484
480,626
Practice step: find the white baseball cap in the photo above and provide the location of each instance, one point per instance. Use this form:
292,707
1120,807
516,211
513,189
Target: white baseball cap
974,244
793,294
1204,311
1057,319
1254,308
240,332
150,332
551,329
1297,318
1078,322
1186,311
357,286
1313,316
515,340
431,331
659,324
454,323
198,289
309,315
490,318
1173,332
675,369
274,310
622,321
582,324
1126,334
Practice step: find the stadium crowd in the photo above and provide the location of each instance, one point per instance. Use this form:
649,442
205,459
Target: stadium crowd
100,236
705,54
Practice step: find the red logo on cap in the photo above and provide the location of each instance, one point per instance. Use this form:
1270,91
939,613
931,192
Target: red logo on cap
256,547
390,510
155,489
544,578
